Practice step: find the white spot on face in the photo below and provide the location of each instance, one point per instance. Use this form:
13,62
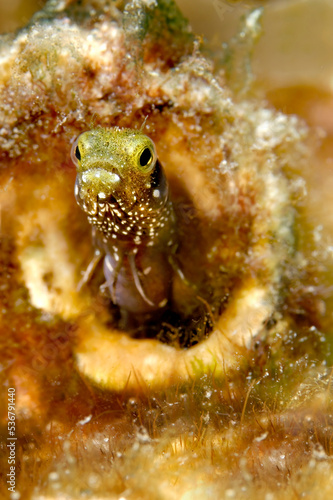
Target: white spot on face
156,193
102,196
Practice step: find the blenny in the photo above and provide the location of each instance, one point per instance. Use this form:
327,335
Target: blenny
122,188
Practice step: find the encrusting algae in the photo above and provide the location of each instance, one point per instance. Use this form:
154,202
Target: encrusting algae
164,337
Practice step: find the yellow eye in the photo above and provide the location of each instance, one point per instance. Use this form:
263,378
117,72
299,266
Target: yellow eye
146,159
75,153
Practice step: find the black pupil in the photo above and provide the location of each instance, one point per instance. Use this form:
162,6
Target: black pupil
77,153
145,157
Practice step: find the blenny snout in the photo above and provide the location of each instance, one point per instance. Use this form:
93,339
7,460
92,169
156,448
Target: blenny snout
94,187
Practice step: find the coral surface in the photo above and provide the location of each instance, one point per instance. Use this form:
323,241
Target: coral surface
228,394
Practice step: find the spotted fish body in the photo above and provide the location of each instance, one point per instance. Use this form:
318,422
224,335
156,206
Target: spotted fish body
122,187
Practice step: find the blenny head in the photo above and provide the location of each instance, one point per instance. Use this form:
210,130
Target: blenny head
120,183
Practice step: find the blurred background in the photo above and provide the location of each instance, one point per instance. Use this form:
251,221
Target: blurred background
16,13
297,42
295,48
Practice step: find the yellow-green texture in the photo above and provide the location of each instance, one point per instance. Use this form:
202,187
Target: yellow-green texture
244,411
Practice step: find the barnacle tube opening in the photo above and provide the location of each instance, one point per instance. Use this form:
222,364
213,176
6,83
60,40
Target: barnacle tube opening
114,360
240,238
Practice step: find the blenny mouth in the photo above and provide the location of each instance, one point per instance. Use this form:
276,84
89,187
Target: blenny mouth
110,216
112,207
108,203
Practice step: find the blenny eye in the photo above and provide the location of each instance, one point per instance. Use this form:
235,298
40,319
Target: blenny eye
146,157
77,153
